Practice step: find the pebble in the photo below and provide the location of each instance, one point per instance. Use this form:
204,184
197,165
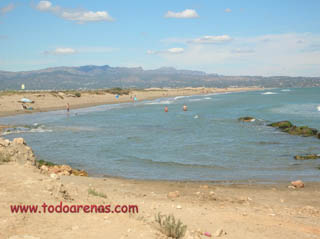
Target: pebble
173,195
297,184
220,233
54,176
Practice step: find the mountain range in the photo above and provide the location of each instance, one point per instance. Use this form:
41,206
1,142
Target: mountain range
96,77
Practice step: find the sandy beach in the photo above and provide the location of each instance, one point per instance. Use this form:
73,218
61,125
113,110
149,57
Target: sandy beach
220,210
47,101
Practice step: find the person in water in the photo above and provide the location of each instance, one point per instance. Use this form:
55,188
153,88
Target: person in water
185,108
68,107
166,109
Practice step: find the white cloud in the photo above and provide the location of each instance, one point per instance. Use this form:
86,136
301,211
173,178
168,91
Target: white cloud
173,51
242,51
79,50
290,54
7,8
188,13
44,6
212,39
77,15
61,51
228,10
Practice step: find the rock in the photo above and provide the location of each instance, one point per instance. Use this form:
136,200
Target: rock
44,168
288,127
281,124
297,184
16,151
291,187
77,172
247,119
65,170
318,135
220,232
54,176
304,131
18,141
307,156
4,142
173,195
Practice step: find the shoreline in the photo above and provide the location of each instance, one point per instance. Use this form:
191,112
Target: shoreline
51,101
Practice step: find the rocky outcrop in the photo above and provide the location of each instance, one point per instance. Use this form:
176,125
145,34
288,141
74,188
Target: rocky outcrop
288,127
307,156
16,151
281,124
247,119
66,170
304,131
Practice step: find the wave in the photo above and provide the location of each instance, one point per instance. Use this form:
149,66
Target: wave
162,102
269,93
166,163
285,90
180,97
35,128
318,108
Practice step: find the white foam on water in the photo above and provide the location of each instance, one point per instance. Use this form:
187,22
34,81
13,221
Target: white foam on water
180,97
269,93
285,90
196,117
162,102
318,108
39,130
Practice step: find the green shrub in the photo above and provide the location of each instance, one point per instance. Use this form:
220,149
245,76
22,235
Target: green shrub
41,162
93,192
77,94
4,158
170,227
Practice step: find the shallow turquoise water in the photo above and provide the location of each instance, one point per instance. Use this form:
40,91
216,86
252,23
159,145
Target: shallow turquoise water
205,143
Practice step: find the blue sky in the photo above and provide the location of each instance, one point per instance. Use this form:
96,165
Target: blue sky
266,37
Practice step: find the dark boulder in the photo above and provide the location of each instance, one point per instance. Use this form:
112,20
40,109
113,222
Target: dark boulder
281,124
307,156
304,131
247,119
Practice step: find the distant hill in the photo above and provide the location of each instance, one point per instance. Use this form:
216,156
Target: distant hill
94,77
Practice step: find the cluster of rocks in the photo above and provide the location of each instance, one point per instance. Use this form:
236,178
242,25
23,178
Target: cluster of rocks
288,127
307,156
62,170
18,151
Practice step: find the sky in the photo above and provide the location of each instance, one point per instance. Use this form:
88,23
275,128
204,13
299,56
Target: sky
229,37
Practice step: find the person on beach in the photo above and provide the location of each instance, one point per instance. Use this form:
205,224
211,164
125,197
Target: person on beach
68,107
166,109
185,108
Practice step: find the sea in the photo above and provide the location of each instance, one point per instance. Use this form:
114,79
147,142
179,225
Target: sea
206,143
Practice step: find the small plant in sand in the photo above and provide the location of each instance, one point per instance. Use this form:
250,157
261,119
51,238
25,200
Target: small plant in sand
41,162
4,158
93,192
170,226
77,94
